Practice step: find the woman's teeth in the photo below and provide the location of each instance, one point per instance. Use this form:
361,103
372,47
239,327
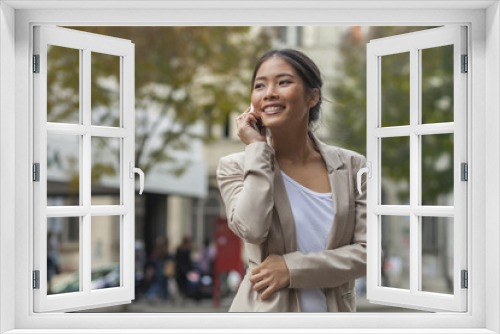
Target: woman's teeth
273,109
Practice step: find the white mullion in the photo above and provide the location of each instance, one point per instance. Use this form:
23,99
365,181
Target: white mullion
66,211
392,210
87,166
123,263
414,168
419,129
107,131
418,126
108,210
434,211
123,165
433,129
392,131
406,210
67,129
81,224
86,254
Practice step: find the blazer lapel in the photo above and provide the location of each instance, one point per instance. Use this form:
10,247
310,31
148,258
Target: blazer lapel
283,207
284,210
339,184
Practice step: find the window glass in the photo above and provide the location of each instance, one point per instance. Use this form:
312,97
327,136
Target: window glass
437,84
395,170
63,170
105,170
395,271
105,89
437,169
395,85
63,84
106,231
63,255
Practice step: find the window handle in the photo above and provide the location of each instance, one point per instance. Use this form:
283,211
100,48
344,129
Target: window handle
368,171
141,176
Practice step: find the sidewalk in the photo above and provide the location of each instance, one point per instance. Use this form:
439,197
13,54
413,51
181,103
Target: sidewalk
207,306
159,306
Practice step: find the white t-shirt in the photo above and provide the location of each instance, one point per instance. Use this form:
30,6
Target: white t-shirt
313,213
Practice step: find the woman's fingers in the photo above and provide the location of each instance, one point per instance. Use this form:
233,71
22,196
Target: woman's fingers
268,292
260,285
245,129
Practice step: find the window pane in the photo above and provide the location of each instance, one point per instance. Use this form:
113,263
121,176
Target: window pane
437,254
63,84
437,84
395,170
395,95
63,170
105,170
396,251
105,89
106,231
63,255
437,169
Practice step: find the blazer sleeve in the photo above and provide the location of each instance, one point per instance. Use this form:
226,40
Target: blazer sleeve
334,267
247,191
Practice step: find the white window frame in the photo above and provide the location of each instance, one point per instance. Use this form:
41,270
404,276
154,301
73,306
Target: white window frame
16,123
123,50
413,44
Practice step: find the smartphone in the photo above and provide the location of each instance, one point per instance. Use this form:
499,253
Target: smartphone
257,126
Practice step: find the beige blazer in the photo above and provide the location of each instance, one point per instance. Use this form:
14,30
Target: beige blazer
258,211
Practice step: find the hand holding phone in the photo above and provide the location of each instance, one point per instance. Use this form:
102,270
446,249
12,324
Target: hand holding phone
257,126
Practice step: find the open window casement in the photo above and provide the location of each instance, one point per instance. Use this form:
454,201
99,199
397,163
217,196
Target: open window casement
417,155
83,170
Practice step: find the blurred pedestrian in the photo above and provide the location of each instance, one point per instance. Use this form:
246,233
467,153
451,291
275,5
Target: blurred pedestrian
140,267
159,259
208,253
183,265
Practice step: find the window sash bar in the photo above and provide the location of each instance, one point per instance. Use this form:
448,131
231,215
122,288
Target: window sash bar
407,130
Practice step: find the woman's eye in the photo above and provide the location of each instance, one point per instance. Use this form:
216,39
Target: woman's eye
259,85
285,82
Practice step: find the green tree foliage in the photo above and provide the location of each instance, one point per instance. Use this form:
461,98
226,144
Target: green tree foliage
349,121
183,75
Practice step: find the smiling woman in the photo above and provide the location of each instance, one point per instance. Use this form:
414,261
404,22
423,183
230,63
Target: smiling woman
292,198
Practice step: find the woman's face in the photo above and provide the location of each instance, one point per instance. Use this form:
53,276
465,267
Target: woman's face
279,95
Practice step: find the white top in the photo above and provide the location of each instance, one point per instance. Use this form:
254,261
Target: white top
313,214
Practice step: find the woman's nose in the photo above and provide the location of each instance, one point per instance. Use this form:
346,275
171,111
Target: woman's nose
270,93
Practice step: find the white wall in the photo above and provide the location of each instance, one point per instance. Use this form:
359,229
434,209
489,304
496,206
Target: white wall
492,162
7,160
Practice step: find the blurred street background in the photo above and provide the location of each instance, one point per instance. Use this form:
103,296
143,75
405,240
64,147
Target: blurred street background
190,84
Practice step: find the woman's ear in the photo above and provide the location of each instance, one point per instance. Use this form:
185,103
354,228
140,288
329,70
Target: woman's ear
313,98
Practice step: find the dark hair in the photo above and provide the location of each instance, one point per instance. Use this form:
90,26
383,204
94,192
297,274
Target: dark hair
305,67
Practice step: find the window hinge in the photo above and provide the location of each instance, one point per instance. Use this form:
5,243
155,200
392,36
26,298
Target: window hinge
465,64
36,63
36,172
464,171
465,279
36,279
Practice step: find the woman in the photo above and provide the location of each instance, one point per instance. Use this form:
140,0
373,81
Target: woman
292,198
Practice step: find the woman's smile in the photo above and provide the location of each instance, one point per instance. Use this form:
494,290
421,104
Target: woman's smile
272,109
